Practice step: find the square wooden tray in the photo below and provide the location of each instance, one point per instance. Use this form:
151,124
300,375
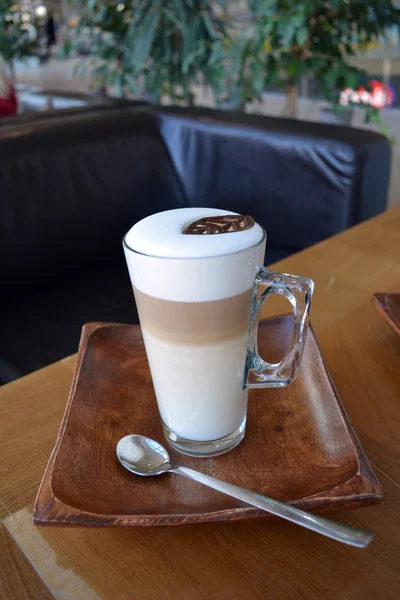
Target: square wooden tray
299,446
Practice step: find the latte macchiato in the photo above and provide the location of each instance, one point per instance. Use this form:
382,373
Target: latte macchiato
193,294
199,284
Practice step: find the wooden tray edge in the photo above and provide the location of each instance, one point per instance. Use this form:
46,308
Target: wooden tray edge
379,300
366,473
45,489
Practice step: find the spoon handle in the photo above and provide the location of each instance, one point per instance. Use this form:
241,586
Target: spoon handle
331,529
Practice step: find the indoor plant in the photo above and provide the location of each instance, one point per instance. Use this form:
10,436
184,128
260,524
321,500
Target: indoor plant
15,40
287,41
162,47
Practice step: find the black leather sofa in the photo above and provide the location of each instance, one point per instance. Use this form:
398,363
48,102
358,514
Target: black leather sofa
72,184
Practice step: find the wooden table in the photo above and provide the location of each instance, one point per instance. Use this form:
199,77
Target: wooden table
244,560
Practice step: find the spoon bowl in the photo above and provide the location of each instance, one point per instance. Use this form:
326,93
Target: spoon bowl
143,456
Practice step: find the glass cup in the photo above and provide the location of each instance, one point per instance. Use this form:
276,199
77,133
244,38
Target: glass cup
202,349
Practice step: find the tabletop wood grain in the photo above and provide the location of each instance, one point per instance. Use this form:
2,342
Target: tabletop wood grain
241,560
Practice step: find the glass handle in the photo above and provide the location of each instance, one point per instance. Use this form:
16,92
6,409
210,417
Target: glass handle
298,290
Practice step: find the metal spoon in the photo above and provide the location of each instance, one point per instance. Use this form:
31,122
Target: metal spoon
143,456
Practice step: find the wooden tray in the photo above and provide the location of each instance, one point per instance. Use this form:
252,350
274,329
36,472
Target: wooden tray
299,447
389,307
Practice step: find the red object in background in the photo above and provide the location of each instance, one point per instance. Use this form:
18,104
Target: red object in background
9,105
379,97
382,95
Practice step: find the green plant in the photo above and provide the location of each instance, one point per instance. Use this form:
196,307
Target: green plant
157,46
288,40
15,42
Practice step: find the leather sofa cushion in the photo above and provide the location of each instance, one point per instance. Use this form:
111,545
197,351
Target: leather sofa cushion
46,327
70,189
300,180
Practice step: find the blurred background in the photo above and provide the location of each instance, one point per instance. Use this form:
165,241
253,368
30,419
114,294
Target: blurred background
333,61
111,110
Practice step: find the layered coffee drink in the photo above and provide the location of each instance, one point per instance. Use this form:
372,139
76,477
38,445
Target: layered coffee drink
193,287
196,352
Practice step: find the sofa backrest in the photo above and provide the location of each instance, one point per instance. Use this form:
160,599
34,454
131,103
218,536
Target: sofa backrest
302,181
70,187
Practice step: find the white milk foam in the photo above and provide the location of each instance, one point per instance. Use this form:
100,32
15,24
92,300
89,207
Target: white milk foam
199,388
161,235
170,265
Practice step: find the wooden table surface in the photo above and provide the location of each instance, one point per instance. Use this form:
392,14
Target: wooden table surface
266,558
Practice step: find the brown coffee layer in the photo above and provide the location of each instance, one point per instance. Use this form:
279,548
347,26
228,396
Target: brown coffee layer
195,322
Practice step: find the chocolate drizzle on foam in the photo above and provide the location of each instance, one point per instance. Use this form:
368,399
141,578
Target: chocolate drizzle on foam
219,224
